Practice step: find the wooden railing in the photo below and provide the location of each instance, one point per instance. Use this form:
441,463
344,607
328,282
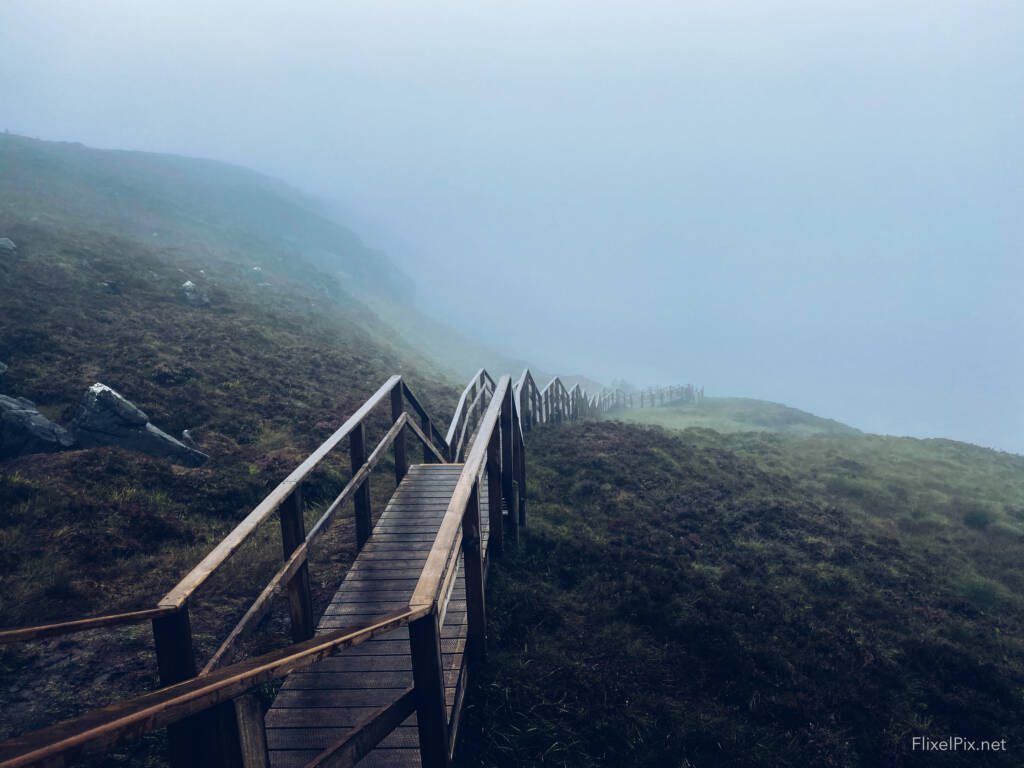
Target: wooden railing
471,405
212,716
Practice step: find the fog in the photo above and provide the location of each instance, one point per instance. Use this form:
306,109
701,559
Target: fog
814,203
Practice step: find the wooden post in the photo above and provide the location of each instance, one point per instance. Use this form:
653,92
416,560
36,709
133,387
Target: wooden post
521,483
496,532
507,477
514,513
176,661
252,735
473,567
364,518
428,682
238,738
300,596
401,462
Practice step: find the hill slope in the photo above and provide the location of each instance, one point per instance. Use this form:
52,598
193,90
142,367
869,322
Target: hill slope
736,414
261,372
694,599
256,229
215,210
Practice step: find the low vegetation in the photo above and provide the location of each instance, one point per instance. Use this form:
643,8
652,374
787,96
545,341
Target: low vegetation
736,414
260,373
692,598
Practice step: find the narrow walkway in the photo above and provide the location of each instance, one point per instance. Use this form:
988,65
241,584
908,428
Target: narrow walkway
317,707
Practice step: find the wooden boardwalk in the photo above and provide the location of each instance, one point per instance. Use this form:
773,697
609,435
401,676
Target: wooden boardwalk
318,706
376,681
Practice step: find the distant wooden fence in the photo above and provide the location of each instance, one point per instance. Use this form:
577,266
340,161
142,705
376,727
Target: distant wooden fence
212,714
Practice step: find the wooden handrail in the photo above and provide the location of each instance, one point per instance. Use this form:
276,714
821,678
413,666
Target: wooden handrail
436,568
434,432
129,719
230,543
261,604
22,634
176,598
477,385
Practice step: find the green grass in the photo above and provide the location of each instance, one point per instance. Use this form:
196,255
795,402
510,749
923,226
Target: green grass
692,599
734,414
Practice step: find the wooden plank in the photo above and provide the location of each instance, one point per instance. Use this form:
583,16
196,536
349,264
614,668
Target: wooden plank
327,717
367,734
382,576
349,680
304,699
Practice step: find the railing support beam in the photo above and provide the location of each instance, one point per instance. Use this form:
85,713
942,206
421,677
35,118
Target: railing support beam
428,682
507,459
357,456
401,462
496,532
176,661
300,594
473,568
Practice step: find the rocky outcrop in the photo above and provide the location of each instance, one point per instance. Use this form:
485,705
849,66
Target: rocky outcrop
192,295
7,246
24,430
107,418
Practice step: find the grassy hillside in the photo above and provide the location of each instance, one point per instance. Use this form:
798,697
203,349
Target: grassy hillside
697,599
736,414
262,373
213,209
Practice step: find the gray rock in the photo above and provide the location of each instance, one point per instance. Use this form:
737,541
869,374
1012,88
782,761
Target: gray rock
192,296
24,430
7,245
3,369
107,418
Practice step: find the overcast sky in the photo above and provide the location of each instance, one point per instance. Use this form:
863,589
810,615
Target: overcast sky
818,203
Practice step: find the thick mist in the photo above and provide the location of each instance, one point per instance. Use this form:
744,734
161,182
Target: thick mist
819,204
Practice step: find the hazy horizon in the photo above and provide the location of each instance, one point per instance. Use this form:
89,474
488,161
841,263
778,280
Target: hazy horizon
815,206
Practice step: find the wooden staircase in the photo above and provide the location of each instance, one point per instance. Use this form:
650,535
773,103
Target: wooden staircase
380,679
322,704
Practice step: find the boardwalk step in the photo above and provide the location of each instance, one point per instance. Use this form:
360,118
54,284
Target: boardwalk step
318,706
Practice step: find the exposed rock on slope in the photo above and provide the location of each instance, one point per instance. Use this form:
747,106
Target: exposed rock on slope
107,418
24,430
